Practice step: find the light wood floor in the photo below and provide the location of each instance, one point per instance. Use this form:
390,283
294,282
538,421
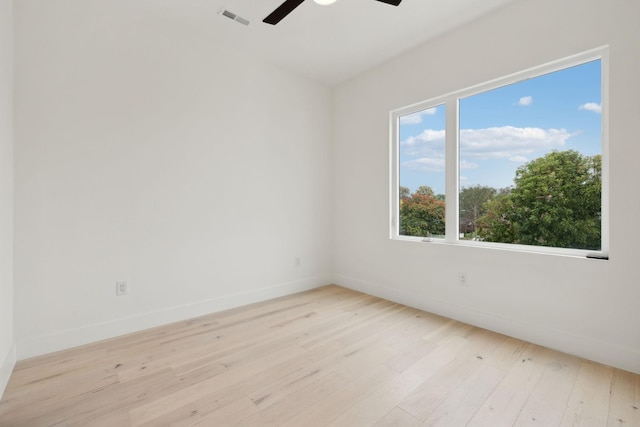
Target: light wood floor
330,356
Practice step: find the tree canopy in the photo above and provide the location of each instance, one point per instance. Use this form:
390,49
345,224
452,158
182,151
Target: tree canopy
472,205
421,213
555,201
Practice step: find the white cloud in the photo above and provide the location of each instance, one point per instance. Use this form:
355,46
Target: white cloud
509,141
416,118
428,135
428,144
434,164
468,165
525,101
518,159
592,106
425,164
425,152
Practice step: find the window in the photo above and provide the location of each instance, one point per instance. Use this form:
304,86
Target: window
422,178
518,163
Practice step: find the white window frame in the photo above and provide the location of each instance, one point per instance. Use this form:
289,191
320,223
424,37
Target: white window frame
452,184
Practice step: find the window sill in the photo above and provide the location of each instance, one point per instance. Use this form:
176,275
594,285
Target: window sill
535,250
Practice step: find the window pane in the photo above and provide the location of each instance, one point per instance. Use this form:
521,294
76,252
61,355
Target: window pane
422,176
530,161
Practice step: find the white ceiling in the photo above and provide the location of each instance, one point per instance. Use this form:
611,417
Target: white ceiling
325,43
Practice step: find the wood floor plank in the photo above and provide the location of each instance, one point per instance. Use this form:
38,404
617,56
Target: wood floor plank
508,352
465,401
32,379
374,405
503,406
238,410
548,399
432,393
194,393
329,356
119,398
323,411
624,408
398,418
589,402
295,403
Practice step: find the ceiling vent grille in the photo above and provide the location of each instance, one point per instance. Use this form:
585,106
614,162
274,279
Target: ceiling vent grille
234,17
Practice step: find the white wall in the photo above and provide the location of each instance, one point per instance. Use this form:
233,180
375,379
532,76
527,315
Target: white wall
585,307
7,347
151,153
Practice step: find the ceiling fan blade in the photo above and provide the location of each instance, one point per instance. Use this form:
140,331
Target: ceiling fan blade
283,10
392,2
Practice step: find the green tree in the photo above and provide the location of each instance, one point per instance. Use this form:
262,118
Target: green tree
496,225
405,193
472,201
425,190
556,201
421,214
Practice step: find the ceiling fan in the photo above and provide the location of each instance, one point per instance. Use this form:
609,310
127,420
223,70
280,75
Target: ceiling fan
289,5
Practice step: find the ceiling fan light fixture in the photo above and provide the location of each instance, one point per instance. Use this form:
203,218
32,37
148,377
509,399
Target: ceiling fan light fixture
289,6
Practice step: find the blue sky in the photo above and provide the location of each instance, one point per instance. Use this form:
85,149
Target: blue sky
506,127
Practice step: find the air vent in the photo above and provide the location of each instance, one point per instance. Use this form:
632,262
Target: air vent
234,17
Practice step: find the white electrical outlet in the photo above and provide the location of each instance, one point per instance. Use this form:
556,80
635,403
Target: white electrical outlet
122,288
463,279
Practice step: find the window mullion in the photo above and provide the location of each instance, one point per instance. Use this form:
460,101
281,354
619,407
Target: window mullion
604,202
394,203
451,170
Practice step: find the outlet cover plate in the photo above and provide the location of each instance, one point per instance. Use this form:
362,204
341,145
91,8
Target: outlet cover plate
122,288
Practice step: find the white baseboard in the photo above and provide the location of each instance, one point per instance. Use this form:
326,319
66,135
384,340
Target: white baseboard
7,368
577,345
38,345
